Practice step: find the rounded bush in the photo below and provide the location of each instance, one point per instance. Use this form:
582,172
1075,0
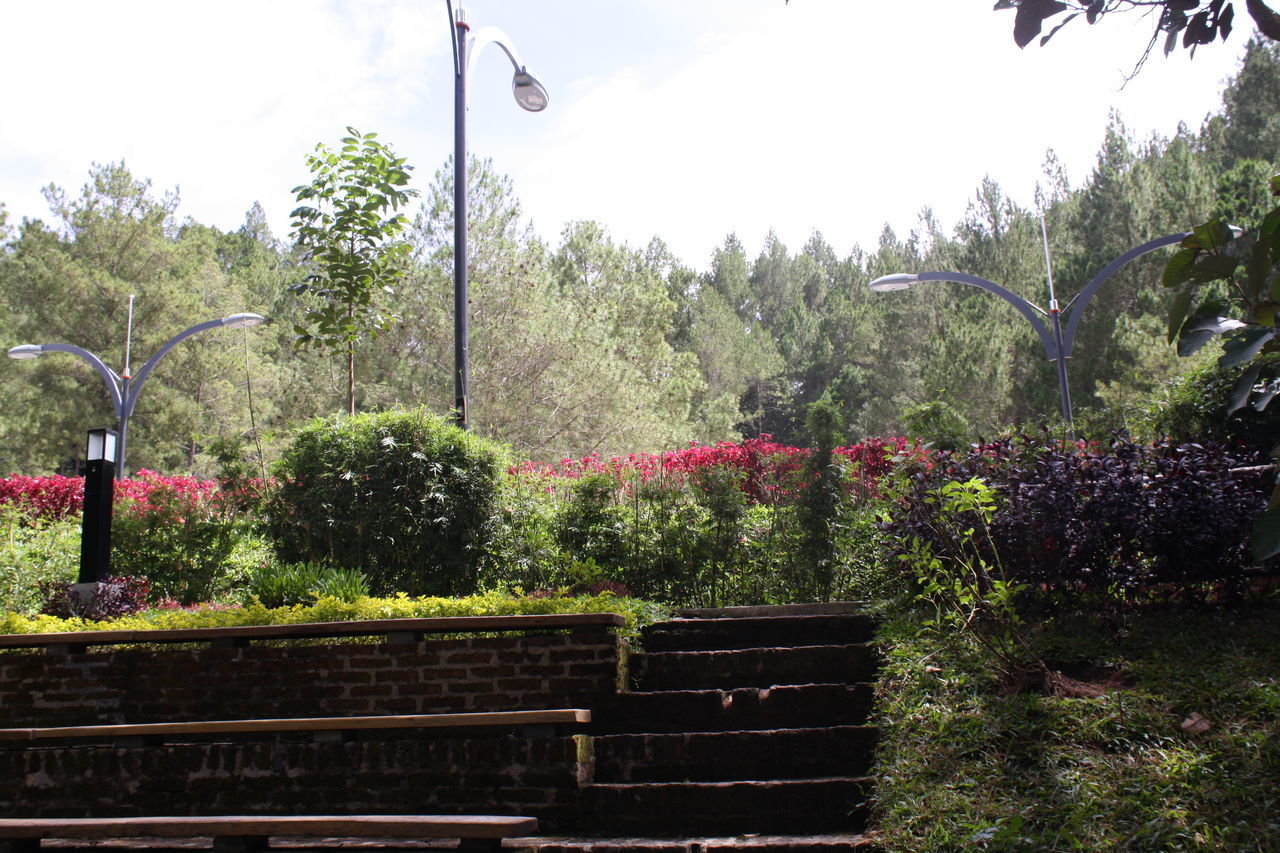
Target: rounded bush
403,496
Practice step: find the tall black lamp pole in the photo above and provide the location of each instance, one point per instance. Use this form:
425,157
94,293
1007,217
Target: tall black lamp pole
530,95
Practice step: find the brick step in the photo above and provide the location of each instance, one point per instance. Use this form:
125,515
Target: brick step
703,844
759,667
836,804
818,608
726,756
680,635
781,707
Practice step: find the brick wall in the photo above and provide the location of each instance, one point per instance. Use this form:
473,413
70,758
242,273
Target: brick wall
388,772
472,775
574,670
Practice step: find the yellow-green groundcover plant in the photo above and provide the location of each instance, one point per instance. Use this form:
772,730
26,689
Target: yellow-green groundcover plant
636,612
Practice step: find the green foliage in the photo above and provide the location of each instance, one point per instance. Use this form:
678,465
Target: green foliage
118,237
592,526
636,612
403,496
302,583
824,498
182,543
1196,407
968,593
937,423
349,232
1220,292
34,553
962,765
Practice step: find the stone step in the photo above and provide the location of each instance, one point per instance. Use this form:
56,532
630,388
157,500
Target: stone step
781,707
835,804
758,667
726,756
702,844
748,632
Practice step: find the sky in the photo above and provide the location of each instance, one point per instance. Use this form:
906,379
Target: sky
681,119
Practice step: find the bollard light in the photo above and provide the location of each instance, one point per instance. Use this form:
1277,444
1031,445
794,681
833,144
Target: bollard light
99,492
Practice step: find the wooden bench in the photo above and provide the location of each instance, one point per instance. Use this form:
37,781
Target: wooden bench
395,631
247,833
545,723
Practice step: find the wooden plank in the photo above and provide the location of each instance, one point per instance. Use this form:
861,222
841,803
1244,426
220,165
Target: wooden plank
394,826
554,716
366,627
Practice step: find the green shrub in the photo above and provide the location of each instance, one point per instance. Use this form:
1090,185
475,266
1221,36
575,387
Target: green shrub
181,541
302,583
522,553
33,552
1194,408
593,525
938,423
402,496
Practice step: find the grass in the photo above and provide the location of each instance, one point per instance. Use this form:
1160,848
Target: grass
963,767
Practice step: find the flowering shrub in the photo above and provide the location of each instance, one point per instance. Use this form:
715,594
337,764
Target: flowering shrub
179,532
730,523
769,468
58,497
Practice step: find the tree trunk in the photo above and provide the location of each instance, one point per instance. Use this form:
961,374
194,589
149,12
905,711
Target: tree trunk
351,377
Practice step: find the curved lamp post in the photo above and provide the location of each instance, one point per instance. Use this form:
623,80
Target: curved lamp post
531,96
1057,341
124,390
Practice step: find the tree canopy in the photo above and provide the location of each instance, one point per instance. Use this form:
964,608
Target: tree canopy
584,344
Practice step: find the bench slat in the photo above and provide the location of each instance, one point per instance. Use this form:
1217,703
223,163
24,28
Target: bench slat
364,627
555,716
398,826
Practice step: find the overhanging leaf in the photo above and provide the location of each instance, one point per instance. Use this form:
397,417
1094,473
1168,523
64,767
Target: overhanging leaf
1178,311
1241,348
1053,32
1178,271
1265,541
1213,234
1242,389
1201,328
1267,394
1030,18
1213,267
1265,312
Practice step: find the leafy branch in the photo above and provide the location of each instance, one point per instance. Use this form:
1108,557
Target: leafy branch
1237,279
348,229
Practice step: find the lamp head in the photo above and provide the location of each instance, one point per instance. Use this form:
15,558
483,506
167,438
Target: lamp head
26,351
529,93
102,445
240,321
897,281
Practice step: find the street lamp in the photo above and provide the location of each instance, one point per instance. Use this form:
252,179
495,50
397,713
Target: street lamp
531,96
124,390
1058,343
95,529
